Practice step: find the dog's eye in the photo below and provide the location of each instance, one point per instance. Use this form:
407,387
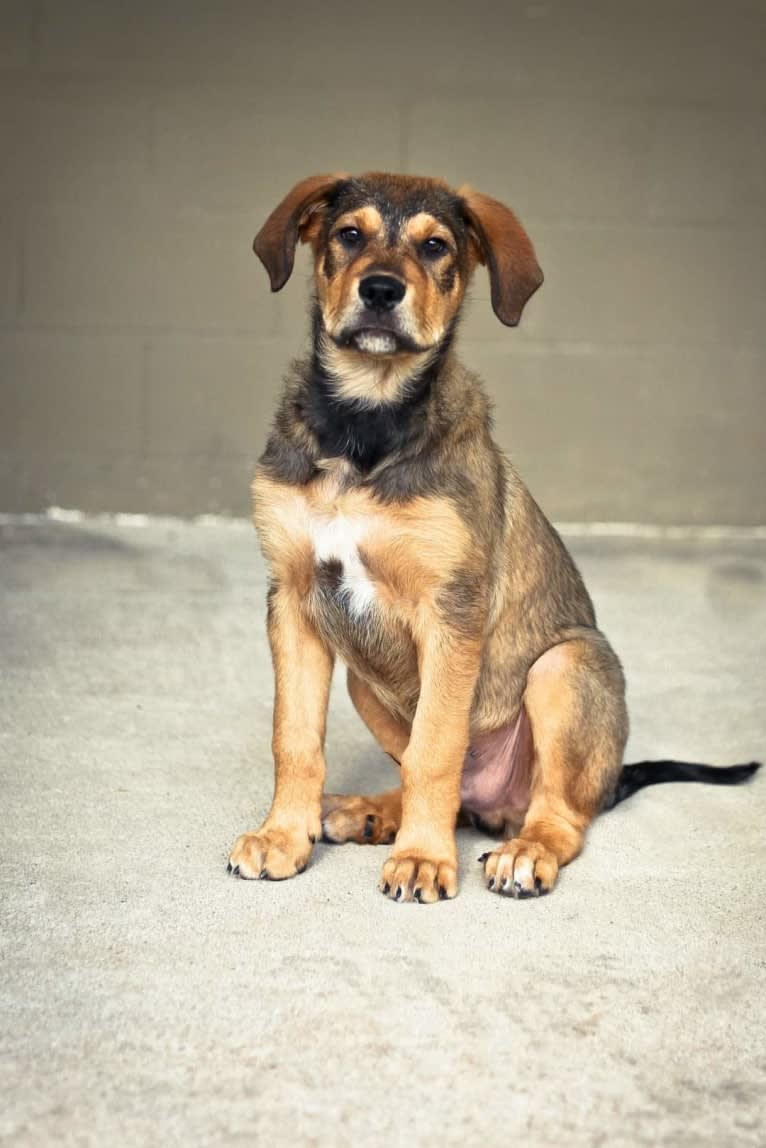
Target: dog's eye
434,247
350,237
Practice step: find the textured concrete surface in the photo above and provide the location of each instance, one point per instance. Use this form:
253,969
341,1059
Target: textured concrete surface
145,143
147,998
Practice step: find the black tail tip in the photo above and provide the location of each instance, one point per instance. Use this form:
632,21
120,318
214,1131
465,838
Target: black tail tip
744,772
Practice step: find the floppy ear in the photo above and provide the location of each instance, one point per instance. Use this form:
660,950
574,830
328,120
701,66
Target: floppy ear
503,244
275,242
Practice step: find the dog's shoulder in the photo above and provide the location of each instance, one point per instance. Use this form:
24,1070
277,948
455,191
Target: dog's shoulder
291,452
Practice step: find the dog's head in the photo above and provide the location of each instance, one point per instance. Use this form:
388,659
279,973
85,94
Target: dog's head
393,256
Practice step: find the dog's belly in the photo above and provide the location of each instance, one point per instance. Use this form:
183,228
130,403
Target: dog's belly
497,769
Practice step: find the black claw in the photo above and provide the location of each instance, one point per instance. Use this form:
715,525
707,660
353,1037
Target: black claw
442,893
418,895
483,858
491,884
386,888
398,893
235,870
313,838
229,867
369,827
264,875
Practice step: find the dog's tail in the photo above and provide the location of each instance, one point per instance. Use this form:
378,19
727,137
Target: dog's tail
643,773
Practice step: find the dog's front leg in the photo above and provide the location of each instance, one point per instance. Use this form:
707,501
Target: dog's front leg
303,670
423,864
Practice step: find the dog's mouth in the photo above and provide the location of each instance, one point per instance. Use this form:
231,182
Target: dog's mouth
377,339
373,341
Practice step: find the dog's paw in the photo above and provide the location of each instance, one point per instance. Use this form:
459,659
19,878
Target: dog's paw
413,877
364,820
520,869
272,853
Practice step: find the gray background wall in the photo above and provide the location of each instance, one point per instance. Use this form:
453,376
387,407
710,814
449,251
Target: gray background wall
143,143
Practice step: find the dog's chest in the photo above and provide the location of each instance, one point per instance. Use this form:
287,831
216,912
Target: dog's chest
361,564
339,569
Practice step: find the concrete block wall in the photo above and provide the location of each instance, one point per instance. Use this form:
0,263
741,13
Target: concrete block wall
143,144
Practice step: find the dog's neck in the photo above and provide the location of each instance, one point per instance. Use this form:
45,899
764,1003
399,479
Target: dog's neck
363,407
371,380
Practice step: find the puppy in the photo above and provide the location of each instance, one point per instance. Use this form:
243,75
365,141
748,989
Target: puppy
400,540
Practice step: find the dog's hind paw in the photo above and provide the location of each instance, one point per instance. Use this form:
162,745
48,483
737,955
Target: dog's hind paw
363,820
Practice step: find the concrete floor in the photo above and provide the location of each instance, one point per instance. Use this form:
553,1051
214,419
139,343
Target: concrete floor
148,998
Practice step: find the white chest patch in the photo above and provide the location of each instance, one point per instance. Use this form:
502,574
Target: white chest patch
338,539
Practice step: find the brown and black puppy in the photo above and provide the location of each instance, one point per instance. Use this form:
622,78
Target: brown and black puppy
400,540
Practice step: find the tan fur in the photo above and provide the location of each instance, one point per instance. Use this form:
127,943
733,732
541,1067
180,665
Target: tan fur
574,762
426,312
302,671
465,607
368,820
410,549
369,378
423,226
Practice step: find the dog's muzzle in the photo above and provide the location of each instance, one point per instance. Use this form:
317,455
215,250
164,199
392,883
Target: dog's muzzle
380,294
375,327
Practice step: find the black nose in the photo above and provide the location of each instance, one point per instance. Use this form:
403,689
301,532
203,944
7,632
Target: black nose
381,292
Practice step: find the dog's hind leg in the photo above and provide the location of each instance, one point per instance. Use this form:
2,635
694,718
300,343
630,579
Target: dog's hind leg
372,820
576,706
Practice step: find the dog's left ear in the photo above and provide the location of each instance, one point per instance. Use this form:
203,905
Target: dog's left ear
275,242
503,244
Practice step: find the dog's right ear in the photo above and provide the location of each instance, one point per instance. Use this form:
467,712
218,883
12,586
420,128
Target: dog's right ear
275,242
